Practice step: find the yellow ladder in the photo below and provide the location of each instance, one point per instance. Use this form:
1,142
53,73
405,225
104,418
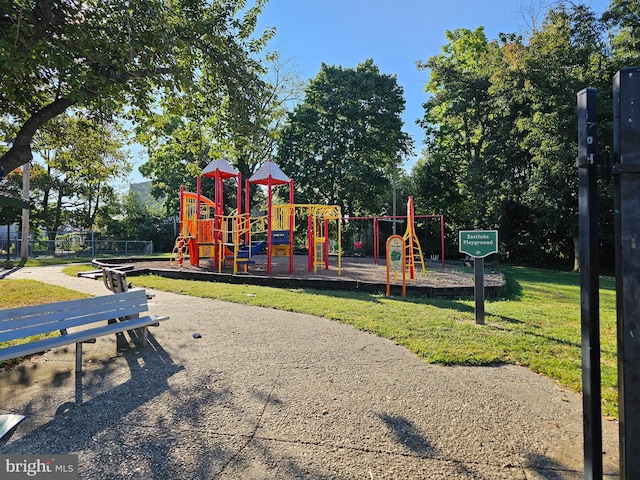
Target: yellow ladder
180,249
318,253
413,251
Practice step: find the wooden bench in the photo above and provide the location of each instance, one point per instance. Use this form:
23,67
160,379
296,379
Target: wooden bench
88,317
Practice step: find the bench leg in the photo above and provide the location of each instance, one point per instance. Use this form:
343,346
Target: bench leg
78,357
145,333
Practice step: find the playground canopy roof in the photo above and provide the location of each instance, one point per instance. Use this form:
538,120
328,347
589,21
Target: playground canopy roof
269,170
224,168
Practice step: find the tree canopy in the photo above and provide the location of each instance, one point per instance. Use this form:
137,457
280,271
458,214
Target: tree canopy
501,129
103,55
178,147
74,183
341,144
499,116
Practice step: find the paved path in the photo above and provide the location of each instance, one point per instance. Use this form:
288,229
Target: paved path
266,394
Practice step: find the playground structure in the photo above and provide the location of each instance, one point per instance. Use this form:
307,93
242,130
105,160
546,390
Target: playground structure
206,232
236,238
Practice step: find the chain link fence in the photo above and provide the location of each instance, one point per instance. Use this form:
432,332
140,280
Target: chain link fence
77,244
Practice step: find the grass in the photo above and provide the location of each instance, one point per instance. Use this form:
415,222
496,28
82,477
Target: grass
22,293
537,323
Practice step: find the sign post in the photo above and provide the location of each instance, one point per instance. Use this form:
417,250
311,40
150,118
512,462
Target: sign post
478,244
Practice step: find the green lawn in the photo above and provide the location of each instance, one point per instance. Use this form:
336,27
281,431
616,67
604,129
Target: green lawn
537,323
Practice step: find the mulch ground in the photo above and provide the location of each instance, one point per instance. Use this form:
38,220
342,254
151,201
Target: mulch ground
362,269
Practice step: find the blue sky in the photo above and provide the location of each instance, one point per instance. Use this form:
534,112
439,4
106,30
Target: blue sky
394,33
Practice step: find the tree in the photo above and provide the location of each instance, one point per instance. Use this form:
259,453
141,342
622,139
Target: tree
461,172
180,145
138,217
341,144
102,55
253,140
177,150
566,55
623,19
501,131
82,158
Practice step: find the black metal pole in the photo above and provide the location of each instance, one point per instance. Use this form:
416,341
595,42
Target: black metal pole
478,271
589,283
626,174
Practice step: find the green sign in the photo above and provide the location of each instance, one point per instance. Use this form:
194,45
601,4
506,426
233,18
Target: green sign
395,253
478,243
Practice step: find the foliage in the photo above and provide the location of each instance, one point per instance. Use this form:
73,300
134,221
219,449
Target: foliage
102,55
623,20
458,117
180,146
139,217
177,149
12,186
82,159
253,141
501,132
343,141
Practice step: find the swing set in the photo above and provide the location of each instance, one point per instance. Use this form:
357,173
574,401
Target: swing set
413,249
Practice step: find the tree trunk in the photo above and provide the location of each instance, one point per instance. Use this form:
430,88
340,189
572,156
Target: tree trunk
20,151
576,254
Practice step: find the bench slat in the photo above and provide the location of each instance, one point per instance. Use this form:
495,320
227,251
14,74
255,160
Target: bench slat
76,337
127,307
69,314
25,322
23,328
89,302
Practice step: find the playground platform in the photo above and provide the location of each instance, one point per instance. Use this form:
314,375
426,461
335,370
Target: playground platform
356,274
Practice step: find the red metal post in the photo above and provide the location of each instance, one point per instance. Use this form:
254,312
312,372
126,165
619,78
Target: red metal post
181,208
269,226
292,218
247,206
310,242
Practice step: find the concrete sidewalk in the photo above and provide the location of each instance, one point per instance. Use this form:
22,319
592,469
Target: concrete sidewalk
266,394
